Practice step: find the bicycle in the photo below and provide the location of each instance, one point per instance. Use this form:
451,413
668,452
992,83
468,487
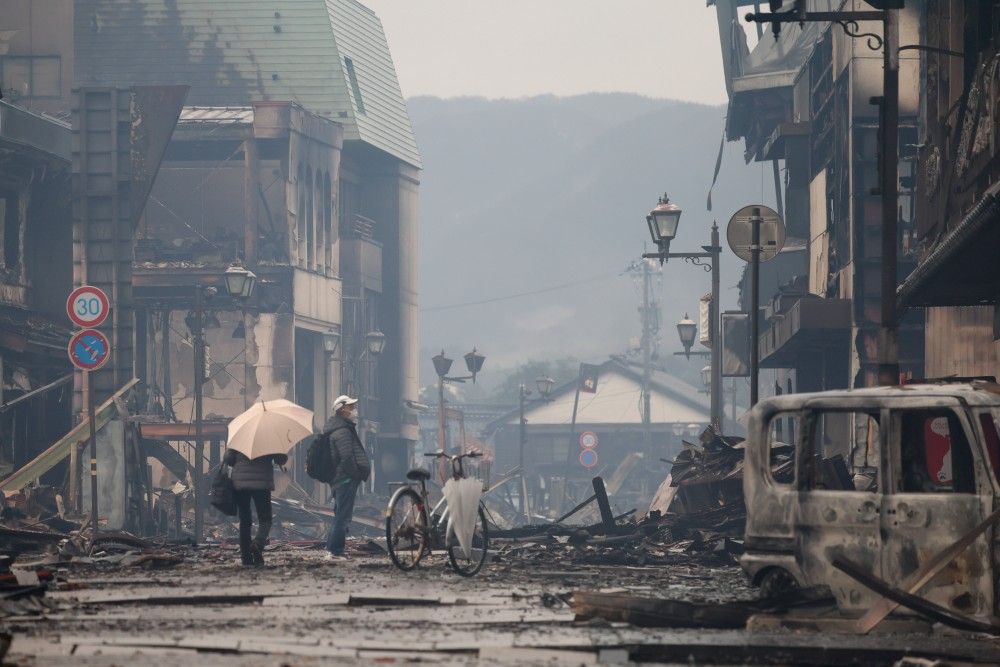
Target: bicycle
409,529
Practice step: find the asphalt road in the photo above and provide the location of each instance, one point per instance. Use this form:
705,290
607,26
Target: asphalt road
301,610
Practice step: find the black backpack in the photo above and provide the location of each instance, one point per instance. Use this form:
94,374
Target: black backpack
321,464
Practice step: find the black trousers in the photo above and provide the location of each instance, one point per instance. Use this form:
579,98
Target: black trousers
262,503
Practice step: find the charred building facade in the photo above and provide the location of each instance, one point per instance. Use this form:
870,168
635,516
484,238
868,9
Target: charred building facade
294,156
806,102
204,134
958,222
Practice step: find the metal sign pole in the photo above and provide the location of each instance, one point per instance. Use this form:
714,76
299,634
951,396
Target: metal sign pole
88,306
754,306
716,328
93,456
199,437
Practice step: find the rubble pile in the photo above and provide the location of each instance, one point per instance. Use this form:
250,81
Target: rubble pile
697,516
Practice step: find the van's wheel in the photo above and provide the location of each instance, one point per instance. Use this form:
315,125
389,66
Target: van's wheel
776,581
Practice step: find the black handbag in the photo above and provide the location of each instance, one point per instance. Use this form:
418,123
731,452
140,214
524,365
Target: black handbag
222,496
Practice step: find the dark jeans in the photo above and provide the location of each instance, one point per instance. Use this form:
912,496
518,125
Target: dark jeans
262,503
343,495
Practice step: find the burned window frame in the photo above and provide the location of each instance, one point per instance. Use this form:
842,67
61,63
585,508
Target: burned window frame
11,250
807,453
31,60
779,418
972,435
993,466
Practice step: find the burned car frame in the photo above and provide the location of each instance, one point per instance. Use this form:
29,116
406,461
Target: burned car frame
887,478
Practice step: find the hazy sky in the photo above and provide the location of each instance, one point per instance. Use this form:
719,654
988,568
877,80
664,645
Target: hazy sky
517,48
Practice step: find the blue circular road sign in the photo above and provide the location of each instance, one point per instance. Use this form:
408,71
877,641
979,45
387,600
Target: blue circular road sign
89,350
588,458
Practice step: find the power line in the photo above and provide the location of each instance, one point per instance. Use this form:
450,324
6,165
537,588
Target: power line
522,294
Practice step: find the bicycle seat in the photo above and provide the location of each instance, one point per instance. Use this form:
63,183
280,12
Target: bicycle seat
418,474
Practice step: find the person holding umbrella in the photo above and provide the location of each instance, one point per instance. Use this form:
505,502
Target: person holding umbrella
353,467
258,440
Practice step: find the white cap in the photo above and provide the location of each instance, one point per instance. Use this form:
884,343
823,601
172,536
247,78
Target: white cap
342,401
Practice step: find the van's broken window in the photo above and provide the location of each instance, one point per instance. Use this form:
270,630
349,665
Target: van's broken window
781,446
841,451
934,453
991,432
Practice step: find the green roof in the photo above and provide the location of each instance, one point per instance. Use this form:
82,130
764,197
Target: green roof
233,53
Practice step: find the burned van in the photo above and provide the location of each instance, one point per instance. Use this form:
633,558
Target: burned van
886,478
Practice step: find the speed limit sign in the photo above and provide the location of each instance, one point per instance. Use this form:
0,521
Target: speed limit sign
88,306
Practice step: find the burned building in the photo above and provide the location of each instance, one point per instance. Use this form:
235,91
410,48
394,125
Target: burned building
36,265
295,157
805,102
958,209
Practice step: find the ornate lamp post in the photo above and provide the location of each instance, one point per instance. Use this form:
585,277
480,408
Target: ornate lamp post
442,364
663,222
240,283
544,385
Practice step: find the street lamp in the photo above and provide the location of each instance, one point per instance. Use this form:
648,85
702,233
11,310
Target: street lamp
545,385
663,222
442,364
706,376
239,283
331,342
474,362
687,330
375,341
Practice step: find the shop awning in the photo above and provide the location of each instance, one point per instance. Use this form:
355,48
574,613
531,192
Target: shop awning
810,326
962,268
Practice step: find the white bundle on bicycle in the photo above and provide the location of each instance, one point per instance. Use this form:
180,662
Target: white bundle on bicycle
463,505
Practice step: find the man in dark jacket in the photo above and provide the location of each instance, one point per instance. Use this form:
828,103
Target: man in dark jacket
253,481
353,467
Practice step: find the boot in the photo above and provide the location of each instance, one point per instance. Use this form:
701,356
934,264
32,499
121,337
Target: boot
246,558
256,555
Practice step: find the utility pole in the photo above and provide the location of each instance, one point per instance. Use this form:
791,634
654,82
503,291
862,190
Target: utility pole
522,393
199,390
716,333
647,367
888,348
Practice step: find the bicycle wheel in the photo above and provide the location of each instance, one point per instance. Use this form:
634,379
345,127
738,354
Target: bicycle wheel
406,530
470,565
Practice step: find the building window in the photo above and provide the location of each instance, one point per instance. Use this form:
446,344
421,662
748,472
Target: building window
300,215
331,232
359,103
31,76
319,223
310,223
11,225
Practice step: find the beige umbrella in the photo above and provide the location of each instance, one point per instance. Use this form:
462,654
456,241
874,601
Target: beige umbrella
271,427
